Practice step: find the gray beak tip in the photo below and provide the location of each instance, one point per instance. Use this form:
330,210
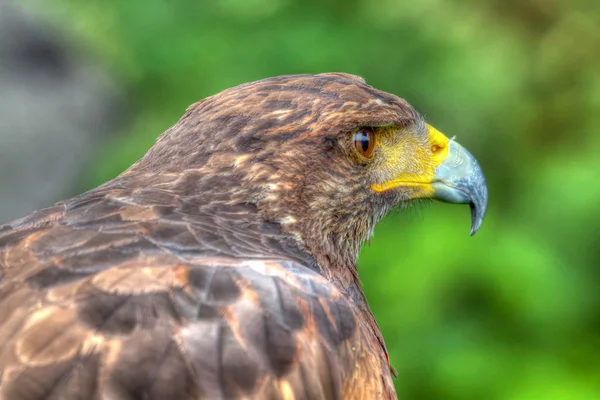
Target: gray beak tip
478,205
475,220
460,180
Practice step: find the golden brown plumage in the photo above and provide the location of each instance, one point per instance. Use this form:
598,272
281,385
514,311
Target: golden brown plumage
223,263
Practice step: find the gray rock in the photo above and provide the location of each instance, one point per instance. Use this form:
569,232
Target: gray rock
56,108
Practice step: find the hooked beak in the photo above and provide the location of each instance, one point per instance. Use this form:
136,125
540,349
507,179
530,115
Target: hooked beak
459,179
448,173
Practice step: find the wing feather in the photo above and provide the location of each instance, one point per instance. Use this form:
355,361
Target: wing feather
105,299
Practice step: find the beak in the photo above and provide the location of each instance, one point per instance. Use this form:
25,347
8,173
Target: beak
459,179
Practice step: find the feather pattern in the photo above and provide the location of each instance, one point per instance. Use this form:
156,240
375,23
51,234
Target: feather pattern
221,265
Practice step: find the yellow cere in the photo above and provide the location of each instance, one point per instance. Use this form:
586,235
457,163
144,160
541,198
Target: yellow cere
436,154
439,144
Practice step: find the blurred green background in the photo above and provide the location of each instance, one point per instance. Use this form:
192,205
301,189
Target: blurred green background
511,313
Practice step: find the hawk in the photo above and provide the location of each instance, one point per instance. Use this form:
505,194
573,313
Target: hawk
222,264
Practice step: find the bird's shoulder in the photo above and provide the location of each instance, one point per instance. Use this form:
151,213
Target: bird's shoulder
106,295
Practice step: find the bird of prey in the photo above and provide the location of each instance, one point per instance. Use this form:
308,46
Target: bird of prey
222,264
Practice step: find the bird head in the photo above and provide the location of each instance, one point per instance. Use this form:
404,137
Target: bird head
324,156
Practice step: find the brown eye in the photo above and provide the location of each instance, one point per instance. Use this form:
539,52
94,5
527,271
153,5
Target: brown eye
364,142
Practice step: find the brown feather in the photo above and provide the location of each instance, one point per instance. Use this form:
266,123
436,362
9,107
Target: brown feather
220,265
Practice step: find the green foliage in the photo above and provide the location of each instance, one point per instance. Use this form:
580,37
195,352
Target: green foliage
512,313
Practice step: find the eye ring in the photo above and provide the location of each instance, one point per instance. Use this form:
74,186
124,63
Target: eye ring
364,142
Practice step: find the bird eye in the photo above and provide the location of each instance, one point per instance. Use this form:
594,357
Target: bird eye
364,142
